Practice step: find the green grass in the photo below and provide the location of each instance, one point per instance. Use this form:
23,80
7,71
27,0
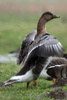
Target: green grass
19,90
13,29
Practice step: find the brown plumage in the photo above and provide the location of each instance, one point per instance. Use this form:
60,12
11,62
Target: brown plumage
57,68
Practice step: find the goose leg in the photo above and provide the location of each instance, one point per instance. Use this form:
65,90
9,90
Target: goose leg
54,80
28,84
35,83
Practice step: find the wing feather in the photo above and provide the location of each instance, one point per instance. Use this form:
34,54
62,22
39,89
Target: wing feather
25,46
46,46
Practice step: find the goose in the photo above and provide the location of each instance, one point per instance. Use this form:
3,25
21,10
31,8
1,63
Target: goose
56,69
39,53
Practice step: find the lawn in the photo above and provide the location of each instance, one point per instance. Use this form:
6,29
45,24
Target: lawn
13,29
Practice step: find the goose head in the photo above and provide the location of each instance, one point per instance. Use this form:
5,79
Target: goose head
49,16
45,17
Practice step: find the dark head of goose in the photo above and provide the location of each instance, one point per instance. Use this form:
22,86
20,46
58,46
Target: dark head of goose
45,17
48,16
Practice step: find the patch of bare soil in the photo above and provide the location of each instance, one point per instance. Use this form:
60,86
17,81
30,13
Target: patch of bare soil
56,94
60,83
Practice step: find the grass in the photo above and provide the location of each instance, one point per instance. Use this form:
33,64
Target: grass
13,29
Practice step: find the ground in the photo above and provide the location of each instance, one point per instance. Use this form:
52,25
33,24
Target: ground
13,28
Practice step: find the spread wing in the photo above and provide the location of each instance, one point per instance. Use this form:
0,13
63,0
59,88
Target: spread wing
45,46
25,46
